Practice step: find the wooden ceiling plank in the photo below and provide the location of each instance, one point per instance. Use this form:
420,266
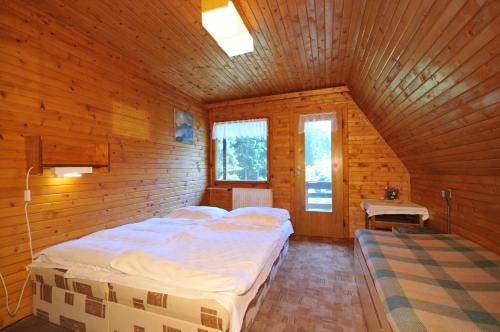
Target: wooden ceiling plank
264,77
433,38
390,39
286,50
411,22
384,35
79,53
469,12
241,77
303,16
301,32
375,41
328,23
408,24
365,30
459,105
207,64
321,35
289,95
455,54
465,105
452,134
312,22
106,34
413,56
338,41
303,69
272,52
452,81
357,13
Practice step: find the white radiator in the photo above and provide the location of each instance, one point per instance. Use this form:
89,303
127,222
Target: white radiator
245,197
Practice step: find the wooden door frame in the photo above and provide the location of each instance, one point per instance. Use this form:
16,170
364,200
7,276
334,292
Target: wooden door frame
339,153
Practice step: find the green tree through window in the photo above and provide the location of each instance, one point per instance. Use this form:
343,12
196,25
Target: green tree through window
242,159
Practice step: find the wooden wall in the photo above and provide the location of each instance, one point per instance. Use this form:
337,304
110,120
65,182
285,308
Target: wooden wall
55,82
425,72
434,95
371,164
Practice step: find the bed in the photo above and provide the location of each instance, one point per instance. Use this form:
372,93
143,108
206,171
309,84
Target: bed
435,282
188,272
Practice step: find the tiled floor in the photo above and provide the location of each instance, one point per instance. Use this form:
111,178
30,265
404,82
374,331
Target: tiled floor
314,291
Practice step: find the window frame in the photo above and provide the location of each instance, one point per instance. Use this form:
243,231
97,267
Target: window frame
213,157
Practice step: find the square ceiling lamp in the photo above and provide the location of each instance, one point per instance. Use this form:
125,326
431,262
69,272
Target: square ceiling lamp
222,21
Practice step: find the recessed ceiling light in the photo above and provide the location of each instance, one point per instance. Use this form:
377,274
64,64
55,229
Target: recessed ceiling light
224,24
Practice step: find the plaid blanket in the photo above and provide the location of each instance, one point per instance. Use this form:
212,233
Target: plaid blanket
434,282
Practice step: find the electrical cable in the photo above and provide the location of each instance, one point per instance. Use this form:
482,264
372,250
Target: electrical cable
26,203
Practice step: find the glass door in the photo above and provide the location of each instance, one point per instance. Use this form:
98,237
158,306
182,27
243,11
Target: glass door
318,165
318,174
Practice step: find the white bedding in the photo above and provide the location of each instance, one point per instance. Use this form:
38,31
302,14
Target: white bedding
375,207
221,259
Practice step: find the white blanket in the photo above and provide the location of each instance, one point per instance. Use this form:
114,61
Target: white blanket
219,259
375,207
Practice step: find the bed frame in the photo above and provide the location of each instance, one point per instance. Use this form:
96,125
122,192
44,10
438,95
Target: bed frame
93,306
374,314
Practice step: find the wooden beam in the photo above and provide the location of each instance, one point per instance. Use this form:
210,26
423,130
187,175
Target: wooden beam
281,96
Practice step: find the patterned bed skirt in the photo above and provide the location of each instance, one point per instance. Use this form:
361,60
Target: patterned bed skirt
93,306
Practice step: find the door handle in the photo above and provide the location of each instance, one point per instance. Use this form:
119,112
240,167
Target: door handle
298,170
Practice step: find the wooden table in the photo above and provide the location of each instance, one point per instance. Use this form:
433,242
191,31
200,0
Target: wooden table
385,214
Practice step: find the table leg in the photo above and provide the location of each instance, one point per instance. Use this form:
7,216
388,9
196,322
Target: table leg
421,220
372,222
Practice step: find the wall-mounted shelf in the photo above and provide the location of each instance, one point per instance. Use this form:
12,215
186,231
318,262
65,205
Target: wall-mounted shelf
44,152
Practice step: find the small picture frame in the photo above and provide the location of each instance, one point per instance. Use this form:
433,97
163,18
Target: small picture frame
184,132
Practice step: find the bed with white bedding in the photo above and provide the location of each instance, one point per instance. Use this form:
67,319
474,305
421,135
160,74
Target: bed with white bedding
197,269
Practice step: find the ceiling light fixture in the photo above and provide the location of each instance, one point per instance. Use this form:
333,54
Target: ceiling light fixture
222,21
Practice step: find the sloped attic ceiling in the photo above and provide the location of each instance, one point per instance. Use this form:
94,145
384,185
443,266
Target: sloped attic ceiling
426,73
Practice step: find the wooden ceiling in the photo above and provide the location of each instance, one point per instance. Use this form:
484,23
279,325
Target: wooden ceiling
299,45
425,72
418,68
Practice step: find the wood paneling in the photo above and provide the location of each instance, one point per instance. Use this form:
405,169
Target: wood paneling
371,164
56,83
425,72
299,45
56,151
430,85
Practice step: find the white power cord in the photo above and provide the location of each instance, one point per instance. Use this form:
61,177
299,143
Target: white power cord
27,199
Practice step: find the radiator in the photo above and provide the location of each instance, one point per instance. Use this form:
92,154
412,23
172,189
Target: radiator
244,197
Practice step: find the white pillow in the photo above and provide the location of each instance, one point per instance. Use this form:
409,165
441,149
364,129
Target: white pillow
259,215
198,212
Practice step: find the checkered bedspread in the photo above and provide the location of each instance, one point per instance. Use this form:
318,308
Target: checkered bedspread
434,282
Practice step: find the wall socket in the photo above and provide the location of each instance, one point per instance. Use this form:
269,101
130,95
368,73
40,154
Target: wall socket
446,193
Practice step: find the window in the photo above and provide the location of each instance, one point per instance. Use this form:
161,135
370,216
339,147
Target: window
241,150
318,160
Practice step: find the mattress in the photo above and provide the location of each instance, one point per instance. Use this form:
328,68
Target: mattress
435,282
90,259
89,305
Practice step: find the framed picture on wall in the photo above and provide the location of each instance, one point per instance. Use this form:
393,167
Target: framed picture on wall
184,132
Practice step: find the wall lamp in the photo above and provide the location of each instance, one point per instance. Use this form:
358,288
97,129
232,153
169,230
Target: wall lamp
70,172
